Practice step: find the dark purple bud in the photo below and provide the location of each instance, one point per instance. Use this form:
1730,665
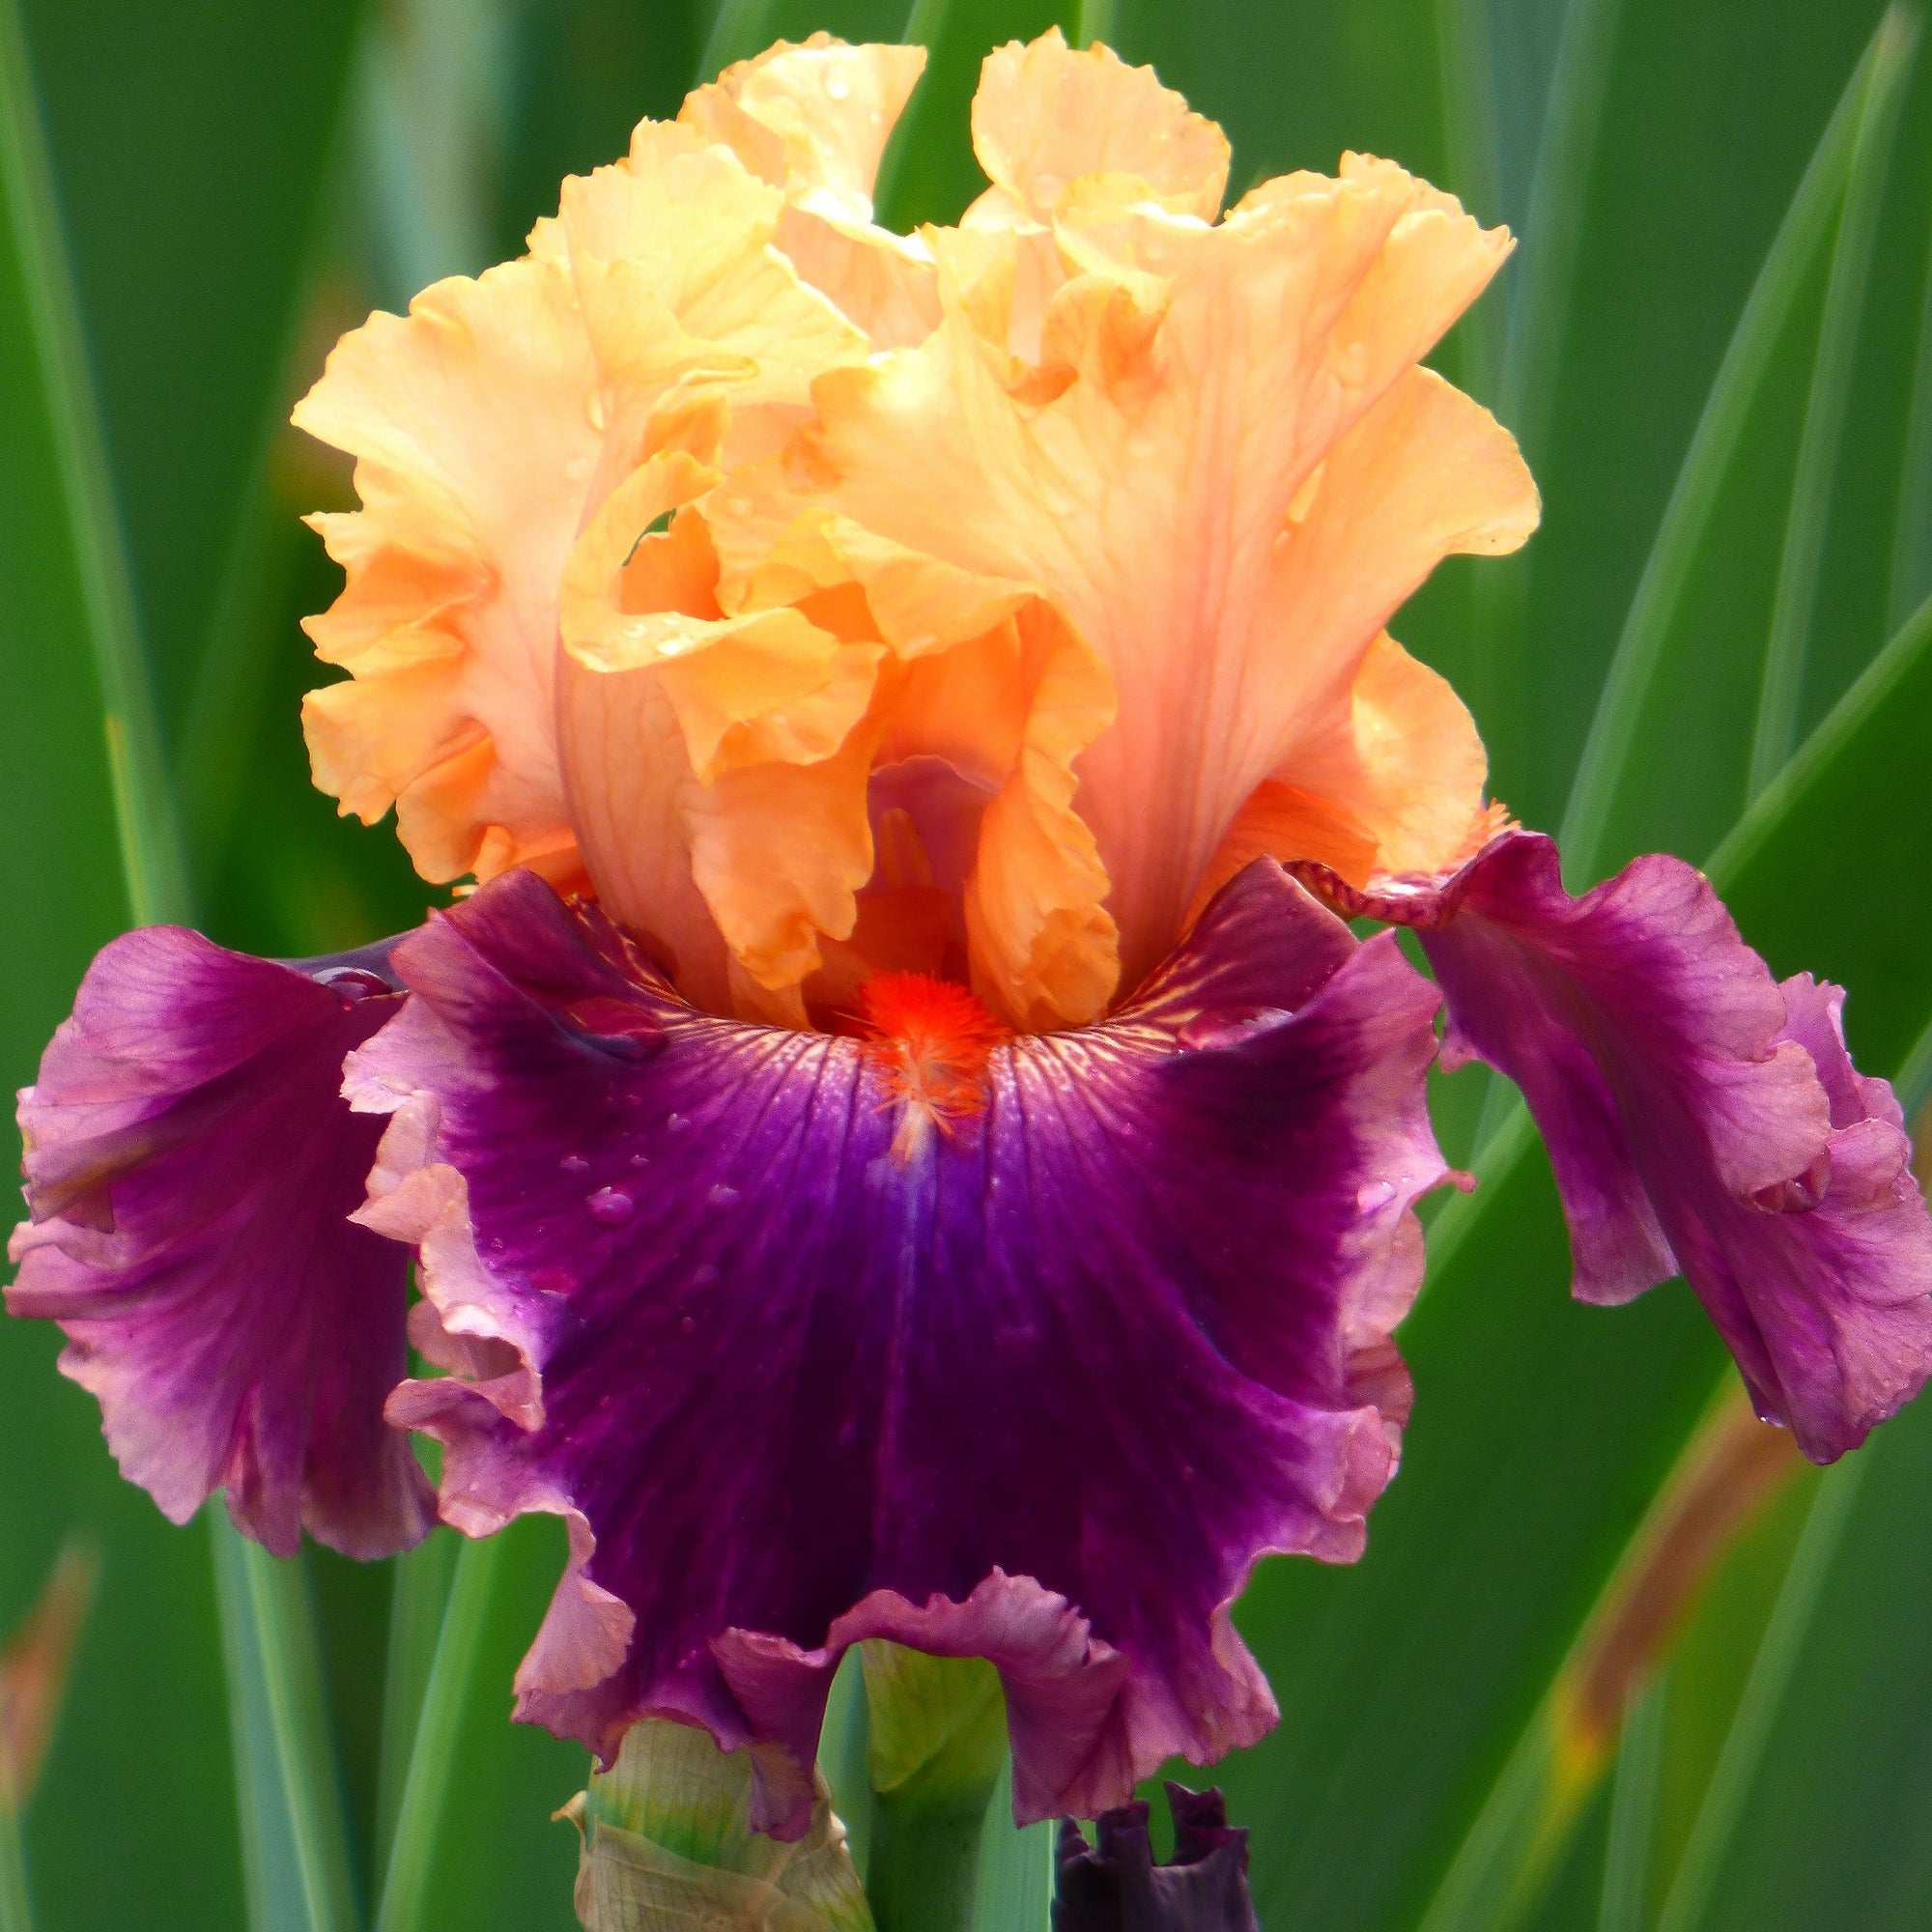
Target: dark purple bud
1120,1888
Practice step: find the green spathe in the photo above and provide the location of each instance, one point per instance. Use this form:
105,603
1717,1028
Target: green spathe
668,1847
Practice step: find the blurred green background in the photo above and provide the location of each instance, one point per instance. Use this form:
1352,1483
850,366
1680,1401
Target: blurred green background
1715,346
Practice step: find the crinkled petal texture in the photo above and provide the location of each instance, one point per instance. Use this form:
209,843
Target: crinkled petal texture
1702,1119
190,1170
1039,1384
1208,448
982,537
657,310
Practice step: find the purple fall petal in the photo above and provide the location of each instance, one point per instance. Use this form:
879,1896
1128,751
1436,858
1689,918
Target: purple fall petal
1117,1887
1041,1390
1700,1118
190,1169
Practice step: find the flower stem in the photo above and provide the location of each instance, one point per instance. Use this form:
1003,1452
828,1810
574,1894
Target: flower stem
430,1776
937,1747
924,1866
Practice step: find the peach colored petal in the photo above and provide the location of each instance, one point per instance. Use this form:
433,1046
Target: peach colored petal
812,121
671,251
717,761
467,422
1396,789
488,425
757,688
811,118
1156,479
1045,116
991,681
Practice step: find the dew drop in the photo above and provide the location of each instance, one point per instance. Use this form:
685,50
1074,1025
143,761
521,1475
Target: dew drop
611,1207
1226,1028
723,1196
573,1163
688,1325
838,86
641,1161
1375,1194
675,1123
351,984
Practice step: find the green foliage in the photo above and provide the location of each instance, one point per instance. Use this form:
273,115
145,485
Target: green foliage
1717,345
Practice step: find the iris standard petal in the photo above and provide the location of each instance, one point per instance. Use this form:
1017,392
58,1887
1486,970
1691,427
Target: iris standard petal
1701,1119
190,1170
800,1363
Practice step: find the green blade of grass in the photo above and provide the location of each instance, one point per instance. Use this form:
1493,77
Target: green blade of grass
1624,1896
1609,752
157,875
929,173
1911,572
431,1781
1544,274
1821,447
739,29
1015,1879
1466,66
264,1607
1685,1909
419,1599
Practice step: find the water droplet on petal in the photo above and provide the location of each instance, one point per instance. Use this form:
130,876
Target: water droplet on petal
1226,1028
573,1163
611,1207
838,86
641,1161
723,1196
351,984
1375,1194
675,1123
688,1325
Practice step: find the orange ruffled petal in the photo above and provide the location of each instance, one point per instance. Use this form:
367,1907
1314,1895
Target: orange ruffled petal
1218,463
964,603
1046,116
813,120
654,312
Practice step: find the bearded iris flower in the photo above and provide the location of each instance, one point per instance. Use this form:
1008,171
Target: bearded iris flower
903,1142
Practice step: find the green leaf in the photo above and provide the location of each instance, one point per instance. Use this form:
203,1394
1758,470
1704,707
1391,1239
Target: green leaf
1821,450
938,1744
1632,1821
1014,1888
1608,761
282,1744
